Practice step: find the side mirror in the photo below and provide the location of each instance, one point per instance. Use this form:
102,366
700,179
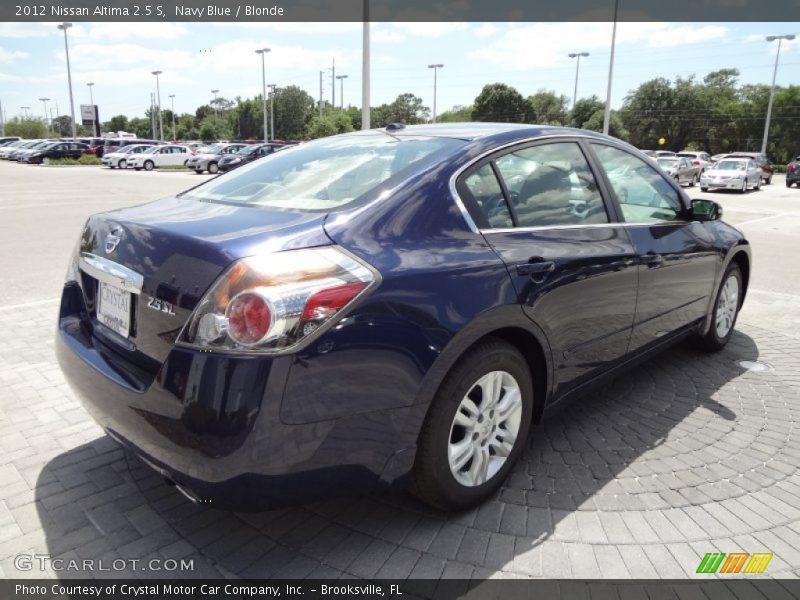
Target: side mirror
706,210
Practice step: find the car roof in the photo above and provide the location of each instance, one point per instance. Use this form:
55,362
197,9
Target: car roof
477,131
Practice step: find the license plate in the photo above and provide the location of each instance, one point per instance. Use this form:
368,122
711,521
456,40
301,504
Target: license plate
114,308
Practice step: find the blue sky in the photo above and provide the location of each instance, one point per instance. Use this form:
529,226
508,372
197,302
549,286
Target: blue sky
198,57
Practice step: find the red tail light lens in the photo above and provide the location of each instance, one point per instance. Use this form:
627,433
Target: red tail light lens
791,167
272,302
695,162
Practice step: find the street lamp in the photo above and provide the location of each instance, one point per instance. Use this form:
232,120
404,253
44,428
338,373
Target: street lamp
91,103
341,79
607,111
216,113
577,55
46,120
172,108
158,99
273,88
772,38
435,70
64,27
263,53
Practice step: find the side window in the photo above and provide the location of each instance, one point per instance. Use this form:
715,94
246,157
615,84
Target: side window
551,184
643,194
486,193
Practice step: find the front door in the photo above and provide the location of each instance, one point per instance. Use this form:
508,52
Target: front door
677,257
573,267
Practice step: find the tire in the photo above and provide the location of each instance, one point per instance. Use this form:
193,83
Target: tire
693,181
138,168
769,180
213,168
197,172
758,184
448,487
788,184
110,166
717,337
744,186
122,164
703,189
148,165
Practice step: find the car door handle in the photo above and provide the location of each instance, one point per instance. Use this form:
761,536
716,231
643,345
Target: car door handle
653,261
540,267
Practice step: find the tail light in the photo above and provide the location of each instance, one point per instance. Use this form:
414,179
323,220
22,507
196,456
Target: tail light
276,301
695,162
791,166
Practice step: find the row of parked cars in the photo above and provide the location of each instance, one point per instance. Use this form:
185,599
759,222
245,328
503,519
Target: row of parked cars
738,171
40,151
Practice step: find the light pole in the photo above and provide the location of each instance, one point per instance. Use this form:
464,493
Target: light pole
577,70
435,70
273,88
64,27
365,70
263,53
46,120
321,74
25,110
158,108
91,103
607,111
341,79
772,38
216,112
172,108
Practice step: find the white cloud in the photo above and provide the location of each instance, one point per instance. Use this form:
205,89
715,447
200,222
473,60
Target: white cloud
430,30
9,56
671,36
386,36
485,30
27,30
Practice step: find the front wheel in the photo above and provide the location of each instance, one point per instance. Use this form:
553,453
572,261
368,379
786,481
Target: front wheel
744,186
726,309
757,186
148,165
213,168
123,164
476,427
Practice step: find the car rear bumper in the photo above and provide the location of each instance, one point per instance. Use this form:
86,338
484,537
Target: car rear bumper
212,423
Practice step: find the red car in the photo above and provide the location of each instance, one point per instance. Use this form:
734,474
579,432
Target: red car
793,172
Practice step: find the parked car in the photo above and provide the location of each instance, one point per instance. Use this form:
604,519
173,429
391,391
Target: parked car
114,144
761,161
700,160
9,139
8,148
793,172
375,309
660,153
52,150
679,168
717,157
119,159
649,153
96,146
207,159
23,151
171,155
247,154
738,173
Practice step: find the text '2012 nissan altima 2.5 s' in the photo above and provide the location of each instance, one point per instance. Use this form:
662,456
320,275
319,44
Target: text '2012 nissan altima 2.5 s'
386,309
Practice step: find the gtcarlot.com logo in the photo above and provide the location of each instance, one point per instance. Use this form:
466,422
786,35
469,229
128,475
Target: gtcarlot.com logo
735,562
43,562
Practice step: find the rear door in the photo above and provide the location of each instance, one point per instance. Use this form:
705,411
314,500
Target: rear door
677,257
540,207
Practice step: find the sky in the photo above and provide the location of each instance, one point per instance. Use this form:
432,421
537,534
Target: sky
198,57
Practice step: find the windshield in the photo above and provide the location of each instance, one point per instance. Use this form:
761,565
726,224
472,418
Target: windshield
152,150
212,149
247,150
730,165
667,162
324,174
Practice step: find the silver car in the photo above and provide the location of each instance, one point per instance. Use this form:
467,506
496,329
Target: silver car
208,159
700,160
732,174
679,168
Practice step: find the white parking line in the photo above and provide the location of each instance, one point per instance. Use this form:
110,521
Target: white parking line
27,304
748,222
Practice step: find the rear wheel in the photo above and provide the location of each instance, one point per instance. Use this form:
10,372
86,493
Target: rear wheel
769,180
726,309
476,427
693,181
788,183
123,163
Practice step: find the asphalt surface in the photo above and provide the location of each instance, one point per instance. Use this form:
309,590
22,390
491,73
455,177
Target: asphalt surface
687,454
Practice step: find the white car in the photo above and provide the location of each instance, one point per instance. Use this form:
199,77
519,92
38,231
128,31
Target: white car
732,174
121,157
160,156
700,160
6,150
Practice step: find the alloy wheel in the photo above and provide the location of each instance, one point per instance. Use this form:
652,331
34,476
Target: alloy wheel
727,305
485,428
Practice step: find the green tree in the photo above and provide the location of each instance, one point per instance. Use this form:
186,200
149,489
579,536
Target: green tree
213,128
141,126
330,124
27,128
501,103
294,108
615,126
457,114
248,117
116,123
408,109
548,108
61,126
583,111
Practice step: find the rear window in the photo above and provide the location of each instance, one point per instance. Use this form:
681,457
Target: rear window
325,174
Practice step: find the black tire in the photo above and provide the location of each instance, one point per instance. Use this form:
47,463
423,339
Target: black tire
213,168
122,164
711,341
769,180
433,481
137,168
196,172
693,181
744,186
788,184
703,189
758,184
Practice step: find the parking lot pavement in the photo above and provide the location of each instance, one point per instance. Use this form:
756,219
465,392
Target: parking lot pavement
685,455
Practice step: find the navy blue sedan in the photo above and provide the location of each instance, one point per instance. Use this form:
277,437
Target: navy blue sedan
386,309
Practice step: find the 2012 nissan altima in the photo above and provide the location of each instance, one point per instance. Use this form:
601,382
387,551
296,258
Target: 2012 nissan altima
386,308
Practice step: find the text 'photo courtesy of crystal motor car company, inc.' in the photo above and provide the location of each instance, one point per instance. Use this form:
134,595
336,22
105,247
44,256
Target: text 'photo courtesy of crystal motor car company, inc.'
386,309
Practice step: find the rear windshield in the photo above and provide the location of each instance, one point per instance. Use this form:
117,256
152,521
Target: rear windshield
325,174
667,162
731,165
